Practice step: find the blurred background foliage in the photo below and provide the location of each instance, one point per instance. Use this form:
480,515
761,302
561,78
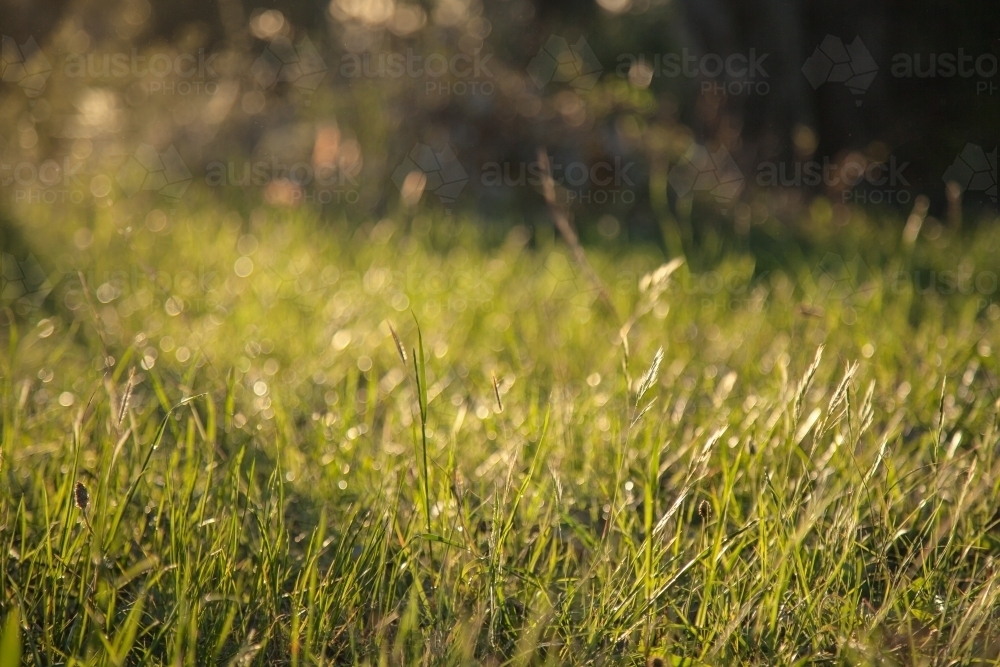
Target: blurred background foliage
256,103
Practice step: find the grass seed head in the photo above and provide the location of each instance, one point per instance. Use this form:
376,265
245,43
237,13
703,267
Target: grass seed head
129,386
399,345
81,496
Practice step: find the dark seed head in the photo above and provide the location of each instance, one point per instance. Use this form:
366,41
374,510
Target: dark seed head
81,496
655,661
705,510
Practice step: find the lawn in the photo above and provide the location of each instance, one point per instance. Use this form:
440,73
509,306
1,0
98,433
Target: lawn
271,439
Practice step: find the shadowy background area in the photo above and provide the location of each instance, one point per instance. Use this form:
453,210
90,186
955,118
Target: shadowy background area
663,119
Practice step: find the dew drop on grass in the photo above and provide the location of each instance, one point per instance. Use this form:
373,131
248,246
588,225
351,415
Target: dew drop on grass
341,339
174,306
400,302
247,245
106,293
156,220
45,328
243,267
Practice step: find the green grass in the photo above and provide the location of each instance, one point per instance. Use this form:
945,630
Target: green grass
809,472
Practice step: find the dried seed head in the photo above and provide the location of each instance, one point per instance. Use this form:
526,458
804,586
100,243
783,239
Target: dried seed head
399,345
81,496
705,510
129,386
